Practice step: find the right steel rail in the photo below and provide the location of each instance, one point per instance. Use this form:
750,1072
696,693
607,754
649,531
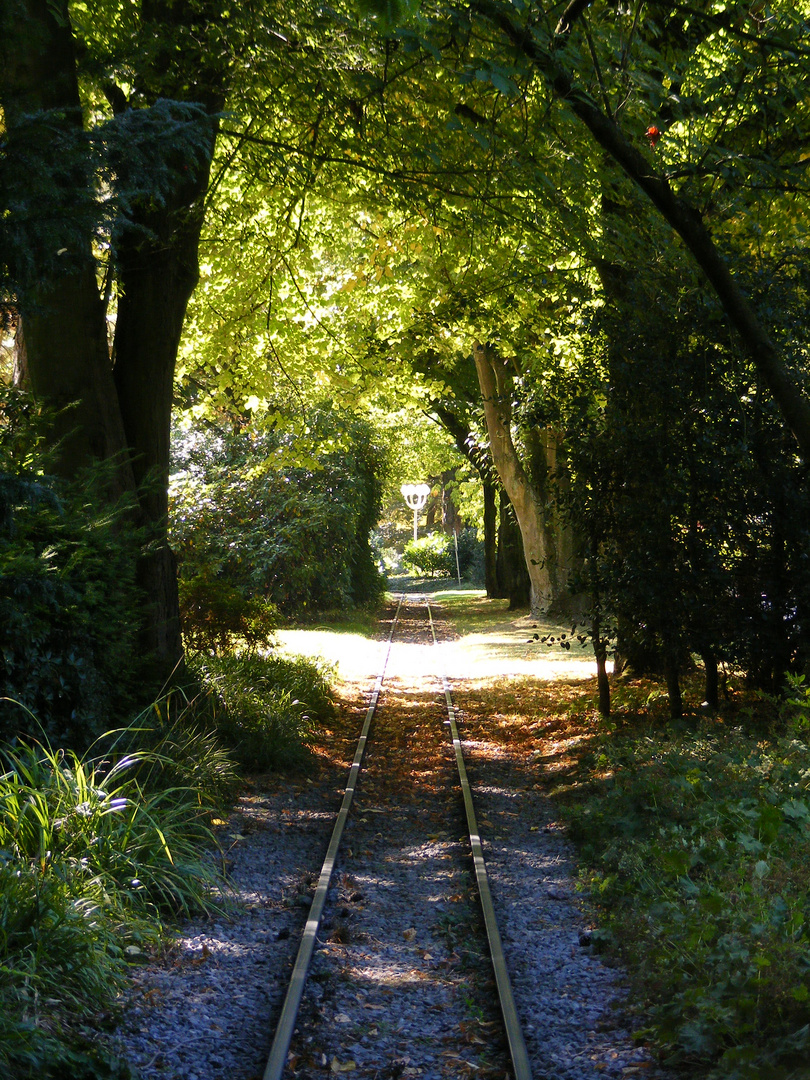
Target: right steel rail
514,1032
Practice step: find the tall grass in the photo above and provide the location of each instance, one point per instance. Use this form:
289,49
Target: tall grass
94,852
98,849
265,708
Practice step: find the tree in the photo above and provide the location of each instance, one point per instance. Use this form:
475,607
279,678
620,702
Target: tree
552,55
542,542
690,548
121,410
131,96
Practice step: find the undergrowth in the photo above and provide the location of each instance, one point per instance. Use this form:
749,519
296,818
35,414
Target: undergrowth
696,846
99,850
266,709
96,851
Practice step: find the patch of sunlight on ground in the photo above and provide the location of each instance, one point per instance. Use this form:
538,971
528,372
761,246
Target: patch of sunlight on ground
505,653
355,656
508,654
494,643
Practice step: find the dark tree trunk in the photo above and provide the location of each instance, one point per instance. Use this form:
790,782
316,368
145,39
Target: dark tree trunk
61,354
67,364
157,277
490,539
712,693
602,680
600,643
513,580
672,674
451,522
635,655
157,257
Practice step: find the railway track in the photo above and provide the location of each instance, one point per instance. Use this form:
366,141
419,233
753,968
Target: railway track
418,967
400,983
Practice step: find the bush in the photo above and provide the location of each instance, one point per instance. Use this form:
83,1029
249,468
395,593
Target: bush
265,708
67,591
92,851
281,518
429,555
218,617
471,556
698,849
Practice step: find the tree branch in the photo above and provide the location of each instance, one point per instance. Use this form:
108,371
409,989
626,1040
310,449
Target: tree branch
679,214
570,15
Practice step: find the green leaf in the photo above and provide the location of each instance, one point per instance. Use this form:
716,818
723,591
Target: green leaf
796,811
502,83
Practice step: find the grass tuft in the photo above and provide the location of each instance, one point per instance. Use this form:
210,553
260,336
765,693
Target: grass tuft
95,851
266,708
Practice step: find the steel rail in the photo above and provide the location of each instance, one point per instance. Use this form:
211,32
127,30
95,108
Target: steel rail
514,1032
277,1060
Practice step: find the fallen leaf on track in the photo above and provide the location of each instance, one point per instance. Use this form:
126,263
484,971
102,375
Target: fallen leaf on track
342,1067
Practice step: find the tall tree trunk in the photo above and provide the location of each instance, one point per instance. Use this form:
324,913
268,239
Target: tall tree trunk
712,691
490,538
157,259
672,675
600,652
157,277
512,578
451,520
547,590
61,352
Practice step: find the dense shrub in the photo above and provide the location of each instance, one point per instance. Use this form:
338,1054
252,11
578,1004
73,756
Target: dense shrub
429,555
471,556
280,518
696,850
217,616
265,708
67,590
94,851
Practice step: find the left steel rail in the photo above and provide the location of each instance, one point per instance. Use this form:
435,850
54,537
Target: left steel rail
277,1060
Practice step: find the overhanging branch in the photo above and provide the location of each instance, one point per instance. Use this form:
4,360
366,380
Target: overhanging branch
682,217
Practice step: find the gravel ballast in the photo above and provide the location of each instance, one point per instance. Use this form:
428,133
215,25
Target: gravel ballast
400,984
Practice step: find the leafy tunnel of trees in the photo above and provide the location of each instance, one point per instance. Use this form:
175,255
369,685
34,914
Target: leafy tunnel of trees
277,238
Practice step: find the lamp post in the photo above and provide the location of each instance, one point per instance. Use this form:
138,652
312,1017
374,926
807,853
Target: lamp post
415,495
